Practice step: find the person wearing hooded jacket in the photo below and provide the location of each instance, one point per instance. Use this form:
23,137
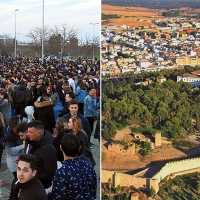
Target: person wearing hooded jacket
43,149
44,112
19,96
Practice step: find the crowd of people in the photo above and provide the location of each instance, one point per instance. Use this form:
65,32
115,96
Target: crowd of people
48,112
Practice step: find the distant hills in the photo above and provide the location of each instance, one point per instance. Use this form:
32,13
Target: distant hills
166,4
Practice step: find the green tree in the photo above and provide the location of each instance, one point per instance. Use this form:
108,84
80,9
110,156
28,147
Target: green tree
108,88
143,152
197,122
146,145
106,133
127,191
152,192
108,130
198,187
162,113
118,189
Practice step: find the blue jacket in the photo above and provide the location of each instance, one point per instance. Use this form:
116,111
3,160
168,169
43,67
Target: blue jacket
58,107
13,149
5,108
80,95
90,107
85,123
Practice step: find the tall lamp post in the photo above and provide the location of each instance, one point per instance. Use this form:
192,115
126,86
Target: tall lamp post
43,32
15,34
93,36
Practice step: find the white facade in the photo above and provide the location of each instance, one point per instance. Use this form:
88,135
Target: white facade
188,79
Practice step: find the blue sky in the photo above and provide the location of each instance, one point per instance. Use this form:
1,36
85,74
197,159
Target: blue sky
75,13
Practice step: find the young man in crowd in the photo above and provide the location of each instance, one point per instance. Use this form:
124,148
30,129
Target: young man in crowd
76,179
31,187
73,112
90,109
68,97
43,149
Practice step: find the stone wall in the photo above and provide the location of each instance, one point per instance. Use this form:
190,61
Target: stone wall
172,168
127,180
176,167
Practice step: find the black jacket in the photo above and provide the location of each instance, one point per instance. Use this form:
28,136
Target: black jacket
2,136
32,190
46,156
87,152
19,94
40,91
56,143
29,101
65,110
44,113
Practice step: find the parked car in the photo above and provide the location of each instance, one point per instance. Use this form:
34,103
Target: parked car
67,57
50,57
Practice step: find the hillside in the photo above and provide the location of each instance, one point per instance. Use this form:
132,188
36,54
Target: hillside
166,4
130,16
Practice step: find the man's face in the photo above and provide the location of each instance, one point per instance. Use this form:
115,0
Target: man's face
29,84
92,92
24,172
39,82
32,83
33,134
67,98
23,136
91,76
73,109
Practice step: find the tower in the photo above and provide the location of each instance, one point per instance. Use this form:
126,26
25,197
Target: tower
158,139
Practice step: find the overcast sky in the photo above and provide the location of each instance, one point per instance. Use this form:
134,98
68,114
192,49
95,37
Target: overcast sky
76,13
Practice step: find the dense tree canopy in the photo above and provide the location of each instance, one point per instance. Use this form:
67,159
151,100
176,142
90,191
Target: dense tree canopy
166,107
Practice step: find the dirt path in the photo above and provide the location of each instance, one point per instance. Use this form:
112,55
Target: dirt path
120,134
191,138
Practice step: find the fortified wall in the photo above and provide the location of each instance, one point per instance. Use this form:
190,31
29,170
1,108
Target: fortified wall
172,168
177,167
128,180
119,148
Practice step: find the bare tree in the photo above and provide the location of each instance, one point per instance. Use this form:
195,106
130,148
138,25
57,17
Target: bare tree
68,35
92,45
7,46
66,32
36,35
96,41
88,40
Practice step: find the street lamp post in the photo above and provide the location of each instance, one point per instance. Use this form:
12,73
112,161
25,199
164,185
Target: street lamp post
61,49
93,36
15,34
43,32
17,46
